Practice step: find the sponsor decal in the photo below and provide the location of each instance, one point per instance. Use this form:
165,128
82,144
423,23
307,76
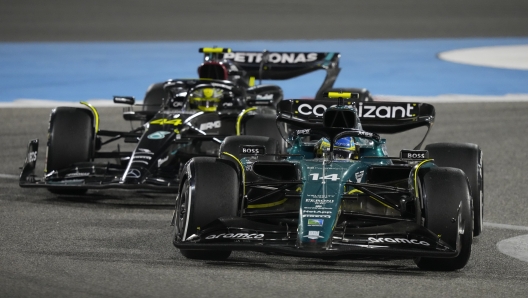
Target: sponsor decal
162,160
158,135
316,216
264,96
177,104
210,125
313,235
146,151
365,110
303,131
255,57
77,175
252,149
306,109
395,112
320,201
359,176
365,133
414,154
236,236
317,211
32,156
398,241
134,173
317,222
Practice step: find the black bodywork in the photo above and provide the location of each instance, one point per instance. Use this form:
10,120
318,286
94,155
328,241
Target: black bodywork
173,132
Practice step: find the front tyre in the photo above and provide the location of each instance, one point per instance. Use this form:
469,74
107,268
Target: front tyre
210,190
447,212
70,140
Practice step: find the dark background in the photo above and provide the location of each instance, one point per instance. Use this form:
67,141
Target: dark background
134,20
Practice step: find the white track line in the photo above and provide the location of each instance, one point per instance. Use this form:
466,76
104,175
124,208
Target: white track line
509,57
8,176
504,226
516,247
444,98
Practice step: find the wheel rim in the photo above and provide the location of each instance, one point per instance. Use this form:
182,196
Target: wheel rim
181,213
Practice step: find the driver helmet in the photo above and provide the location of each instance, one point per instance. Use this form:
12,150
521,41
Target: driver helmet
206,99
344,148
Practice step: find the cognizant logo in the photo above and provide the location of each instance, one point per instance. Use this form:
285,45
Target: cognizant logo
364,110
306,109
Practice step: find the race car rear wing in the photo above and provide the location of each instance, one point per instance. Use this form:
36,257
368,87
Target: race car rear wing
376,117
268,65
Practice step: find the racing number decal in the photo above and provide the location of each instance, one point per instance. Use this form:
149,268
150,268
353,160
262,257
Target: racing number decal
333,177
164,121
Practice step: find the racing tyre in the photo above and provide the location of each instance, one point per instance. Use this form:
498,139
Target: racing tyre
468,158
210,191
264,125
70,140
154,98
447,212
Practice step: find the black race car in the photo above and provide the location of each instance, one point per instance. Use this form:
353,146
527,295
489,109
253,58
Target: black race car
181,119
244,68
337,193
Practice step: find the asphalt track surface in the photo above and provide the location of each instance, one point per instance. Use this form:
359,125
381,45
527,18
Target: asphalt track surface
117,243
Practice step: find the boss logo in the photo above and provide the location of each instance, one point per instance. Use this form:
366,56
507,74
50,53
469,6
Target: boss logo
252,149
414,154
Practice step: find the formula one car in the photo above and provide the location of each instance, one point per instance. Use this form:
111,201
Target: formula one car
336,194
190,119
243,68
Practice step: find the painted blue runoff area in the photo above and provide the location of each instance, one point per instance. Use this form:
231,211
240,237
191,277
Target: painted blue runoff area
82,71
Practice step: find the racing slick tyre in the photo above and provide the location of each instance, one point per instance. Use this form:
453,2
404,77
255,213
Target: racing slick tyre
468,158
70,140
210,191
447,213
264,125
154,99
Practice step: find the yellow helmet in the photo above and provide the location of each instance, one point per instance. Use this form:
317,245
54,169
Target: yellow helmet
206,99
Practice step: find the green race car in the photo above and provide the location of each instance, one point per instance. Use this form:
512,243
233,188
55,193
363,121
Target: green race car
337,193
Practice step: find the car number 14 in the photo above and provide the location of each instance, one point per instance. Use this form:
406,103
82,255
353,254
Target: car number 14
333,177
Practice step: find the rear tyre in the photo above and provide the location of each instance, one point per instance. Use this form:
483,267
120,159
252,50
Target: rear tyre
154,99
70,140
468,158
210,191
447,212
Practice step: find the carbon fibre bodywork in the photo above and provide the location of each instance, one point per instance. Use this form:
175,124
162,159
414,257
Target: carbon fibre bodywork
319,206
174,131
